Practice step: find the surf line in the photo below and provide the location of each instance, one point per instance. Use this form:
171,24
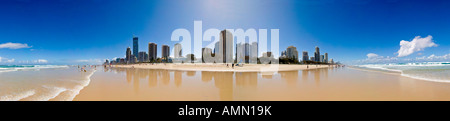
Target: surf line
194,111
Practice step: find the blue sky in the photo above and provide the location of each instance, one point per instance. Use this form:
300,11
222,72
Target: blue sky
88,31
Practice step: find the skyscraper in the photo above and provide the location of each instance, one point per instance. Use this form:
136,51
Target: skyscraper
152,51
216,47
253,52
326,58
291,52
267,54
206,51
226,38
177,52
165,51
143,57
135,47
240,53
246,49
128,55
317,55
305,56
283,53
321,58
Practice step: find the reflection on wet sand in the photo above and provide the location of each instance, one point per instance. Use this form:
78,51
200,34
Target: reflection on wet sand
229,85
314,84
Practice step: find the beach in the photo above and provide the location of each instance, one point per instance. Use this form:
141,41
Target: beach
173,82
42,83
322,84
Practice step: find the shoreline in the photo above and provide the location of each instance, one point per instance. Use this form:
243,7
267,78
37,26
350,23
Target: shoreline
223,67
398,73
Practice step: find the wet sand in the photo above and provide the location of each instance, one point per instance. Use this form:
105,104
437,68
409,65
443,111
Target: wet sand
224,67
315,84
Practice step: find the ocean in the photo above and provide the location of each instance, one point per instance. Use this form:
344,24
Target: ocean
42,82
430,71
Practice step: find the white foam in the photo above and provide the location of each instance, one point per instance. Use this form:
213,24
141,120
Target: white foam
379,67
70,94
52,92
77,90
410,66
17,96
7,70
35,67
424,78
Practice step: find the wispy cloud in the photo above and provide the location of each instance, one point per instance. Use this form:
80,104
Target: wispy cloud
38,61
375,58
11,45
415,45
433,57
90,61
41,61
6,60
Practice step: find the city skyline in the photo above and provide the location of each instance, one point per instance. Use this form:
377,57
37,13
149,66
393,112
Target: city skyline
89,35
248,53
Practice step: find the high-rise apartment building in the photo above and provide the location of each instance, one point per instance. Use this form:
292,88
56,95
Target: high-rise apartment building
152,51
305,56
135,47
165,51
317,55
177,51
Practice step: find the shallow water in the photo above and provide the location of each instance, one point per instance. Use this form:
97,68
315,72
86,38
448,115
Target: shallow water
43,83
430,71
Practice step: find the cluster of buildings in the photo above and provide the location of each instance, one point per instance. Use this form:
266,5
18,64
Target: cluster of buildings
292,53
135,56
244,53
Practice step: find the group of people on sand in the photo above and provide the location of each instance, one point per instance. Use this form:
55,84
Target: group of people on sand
83,68
232,65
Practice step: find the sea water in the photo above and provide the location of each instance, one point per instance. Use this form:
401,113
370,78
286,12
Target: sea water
430,71
42,82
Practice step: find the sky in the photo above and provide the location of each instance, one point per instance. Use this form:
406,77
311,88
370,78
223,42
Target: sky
350,31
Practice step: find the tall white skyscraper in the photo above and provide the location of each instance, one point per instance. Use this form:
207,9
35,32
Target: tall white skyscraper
177,51
227,46
253,52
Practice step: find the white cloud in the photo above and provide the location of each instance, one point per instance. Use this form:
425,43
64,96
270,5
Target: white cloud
375,58
11,45
372,55
433,57
6,60
41,61
10,61
415,45
95,61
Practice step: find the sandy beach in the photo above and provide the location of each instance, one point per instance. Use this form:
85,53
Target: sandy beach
322,84
224,67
